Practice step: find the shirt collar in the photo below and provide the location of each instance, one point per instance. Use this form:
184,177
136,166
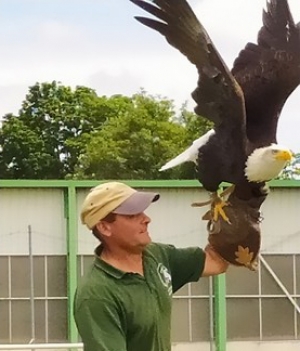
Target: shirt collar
106,267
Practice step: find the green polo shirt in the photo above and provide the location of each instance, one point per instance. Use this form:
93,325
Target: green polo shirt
118,311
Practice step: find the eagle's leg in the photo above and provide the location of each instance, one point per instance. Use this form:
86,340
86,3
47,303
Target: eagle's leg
217,205
227,191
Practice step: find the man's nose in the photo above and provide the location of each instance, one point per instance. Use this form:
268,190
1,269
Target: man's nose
146,218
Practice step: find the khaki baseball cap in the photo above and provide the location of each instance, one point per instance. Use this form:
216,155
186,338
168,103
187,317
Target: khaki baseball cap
114,197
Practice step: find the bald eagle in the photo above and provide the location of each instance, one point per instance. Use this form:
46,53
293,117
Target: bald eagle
244,104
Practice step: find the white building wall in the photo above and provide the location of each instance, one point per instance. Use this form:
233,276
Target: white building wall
86,241
281,225
43,210
173,220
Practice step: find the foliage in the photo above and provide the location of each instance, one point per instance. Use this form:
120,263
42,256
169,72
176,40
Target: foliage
135,143
292,171
62,133
44,141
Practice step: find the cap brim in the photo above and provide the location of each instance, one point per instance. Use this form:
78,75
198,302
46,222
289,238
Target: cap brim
136,203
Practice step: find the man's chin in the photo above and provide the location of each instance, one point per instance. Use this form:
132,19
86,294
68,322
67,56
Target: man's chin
145,242
149,241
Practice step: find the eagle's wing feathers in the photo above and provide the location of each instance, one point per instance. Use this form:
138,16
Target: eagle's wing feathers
189,154
269,71
218,95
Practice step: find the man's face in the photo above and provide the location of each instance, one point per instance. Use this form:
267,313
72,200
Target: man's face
130,231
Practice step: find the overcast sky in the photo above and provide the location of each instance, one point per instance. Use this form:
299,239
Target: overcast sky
98,44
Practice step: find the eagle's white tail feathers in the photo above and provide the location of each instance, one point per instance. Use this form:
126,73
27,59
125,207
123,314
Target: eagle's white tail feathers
190,154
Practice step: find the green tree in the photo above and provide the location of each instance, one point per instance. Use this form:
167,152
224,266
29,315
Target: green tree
62,133
135,143
292,171
195,125
45,139
23,151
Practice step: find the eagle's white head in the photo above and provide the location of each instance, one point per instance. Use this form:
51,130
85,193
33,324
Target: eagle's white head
266,163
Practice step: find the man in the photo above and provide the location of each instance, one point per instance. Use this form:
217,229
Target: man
124,302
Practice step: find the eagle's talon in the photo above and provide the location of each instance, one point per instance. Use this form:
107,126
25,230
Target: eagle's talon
253,266
216,207
218,211
207,216
213,227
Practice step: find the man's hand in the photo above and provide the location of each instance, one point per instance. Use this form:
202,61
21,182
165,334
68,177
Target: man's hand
214,263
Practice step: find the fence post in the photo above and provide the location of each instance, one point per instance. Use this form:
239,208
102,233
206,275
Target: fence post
72,238
220,312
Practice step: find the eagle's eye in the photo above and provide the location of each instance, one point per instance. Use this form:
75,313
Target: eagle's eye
274,152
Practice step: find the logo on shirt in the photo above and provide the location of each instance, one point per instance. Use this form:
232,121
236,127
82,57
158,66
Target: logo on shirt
165,277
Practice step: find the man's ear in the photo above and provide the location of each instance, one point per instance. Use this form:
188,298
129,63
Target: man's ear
104,228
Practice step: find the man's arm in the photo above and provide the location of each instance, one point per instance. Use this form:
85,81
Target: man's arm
214,263
190,263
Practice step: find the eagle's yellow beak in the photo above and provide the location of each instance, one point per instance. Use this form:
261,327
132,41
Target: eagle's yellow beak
283,155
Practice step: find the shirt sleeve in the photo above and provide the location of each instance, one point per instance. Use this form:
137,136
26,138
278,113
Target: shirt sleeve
186,265
100,327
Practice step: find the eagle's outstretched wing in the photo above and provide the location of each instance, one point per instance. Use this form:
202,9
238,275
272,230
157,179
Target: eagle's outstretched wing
218,96
269,71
